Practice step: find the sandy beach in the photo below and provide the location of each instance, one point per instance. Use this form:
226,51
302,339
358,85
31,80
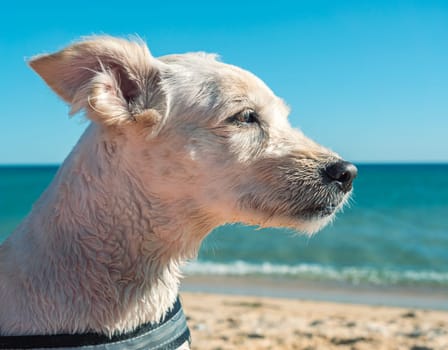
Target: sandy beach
224,322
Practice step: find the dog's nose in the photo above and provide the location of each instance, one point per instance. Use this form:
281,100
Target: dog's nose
343,173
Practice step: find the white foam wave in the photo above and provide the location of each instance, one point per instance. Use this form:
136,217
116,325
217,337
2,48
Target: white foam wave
354,275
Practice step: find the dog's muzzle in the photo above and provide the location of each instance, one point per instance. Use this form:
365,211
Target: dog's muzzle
337,179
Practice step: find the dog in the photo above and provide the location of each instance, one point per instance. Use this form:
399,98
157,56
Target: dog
177,145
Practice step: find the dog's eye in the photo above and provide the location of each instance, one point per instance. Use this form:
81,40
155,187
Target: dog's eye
247,116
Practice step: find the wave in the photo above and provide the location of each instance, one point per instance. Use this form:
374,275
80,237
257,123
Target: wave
352,275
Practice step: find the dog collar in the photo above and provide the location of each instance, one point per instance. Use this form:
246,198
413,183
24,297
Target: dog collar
169,334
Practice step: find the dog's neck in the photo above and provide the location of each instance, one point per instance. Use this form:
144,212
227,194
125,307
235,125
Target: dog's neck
101,253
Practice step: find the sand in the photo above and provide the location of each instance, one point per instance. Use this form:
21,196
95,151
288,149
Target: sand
244,322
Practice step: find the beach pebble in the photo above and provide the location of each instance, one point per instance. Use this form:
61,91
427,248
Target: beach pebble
200,327
316,323
232,322
409,314
376,328
349,341
416,333
255,336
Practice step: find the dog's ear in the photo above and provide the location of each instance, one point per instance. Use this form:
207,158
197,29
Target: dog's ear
115,81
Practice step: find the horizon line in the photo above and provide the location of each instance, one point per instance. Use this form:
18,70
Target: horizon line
385,162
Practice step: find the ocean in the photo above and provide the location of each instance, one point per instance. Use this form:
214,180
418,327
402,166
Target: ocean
394,233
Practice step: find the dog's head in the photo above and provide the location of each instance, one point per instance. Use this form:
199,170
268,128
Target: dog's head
202,133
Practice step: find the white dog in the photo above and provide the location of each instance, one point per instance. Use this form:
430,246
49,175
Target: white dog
177,146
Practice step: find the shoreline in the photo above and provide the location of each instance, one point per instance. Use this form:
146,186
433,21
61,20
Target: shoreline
283,288
232,322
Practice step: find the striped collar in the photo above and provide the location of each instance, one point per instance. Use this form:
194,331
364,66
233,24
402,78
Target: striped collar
169,334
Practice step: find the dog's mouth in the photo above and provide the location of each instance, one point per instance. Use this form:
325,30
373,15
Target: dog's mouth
296,208
319,210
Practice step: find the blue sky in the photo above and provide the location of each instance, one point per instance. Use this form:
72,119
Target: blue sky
368,79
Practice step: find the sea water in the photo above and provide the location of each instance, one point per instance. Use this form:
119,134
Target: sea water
394,232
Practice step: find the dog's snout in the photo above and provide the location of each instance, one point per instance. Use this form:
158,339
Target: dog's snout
343,173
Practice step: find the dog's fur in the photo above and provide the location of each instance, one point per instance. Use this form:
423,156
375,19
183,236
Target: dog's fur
168,156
